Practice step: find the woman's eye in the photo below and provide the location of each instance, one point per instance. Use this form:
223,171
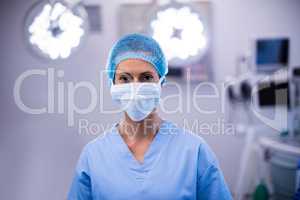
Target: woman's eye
147,78
124,79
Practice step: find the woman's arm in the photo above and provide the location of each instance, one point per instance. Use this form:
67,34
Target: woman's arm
81,184
211,184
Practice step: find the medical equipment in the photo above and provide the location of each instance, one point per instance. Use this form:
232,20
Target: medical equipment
275,87
239,89
270,54
294,127
284,157
55,29
239,92
183,29
268,94
184,38
298,178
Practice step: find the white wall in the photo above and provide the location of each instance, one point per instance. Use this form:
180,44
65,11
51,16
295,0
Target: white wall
38,152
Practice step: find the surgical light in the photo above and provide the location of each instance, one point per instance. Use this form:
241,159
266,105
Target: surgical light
56,30
180,32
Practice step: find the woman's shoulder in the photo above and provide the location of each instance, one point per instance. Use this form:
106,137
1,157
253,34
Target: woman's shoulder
195,142
183,134
99,141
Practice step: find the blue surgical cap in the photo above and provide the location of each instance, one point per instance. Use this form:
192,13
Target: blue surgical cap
137,46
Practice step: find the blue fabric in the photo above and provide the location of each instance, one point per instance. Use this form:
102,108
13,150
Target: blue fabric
177,166
136,46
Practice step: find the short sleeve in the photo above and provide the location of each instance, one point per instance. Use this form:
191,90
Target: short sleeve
81,183
210,181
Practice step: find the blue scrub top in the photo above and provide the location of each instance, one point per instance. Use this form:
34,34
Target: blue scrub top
178,165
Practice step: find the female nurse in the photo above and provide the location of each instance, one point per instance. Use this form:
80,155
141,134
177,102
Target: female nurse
144,157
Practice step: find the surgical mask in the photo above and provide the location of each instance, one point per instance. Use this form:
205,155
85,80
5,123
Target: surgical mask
137,99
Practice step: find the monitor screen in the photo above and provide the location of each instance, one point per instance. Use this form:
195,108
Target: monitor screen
272,54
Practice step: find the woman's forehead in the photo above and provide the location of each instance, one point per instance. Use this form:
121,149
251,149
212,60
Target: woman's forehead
135,66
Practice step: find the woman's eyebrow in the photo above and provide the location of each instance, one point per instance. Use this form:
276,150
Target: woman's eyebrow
147,72
124,73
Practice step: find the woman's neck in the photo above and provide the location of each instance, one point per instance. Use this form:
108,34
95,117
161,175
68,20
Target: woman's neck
146,128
